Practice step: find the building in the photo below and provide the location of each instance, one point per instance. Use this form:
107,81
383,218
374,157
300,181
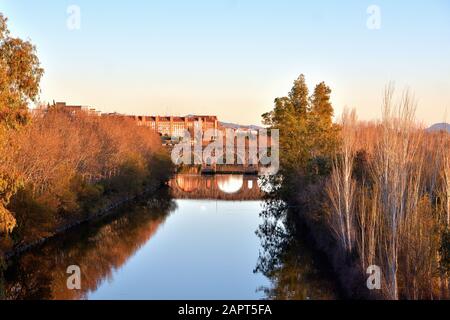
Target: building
168,126
171,126
74,109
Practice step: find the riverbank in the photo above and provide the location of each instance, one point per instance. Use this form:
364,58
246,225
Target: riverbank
65,168
100,214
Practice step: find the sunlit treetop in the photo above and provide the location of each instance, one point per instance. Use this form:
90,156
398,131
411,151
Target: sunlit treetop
20,75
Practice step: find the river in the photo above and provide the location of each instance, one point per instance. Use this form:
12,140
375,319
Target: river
205,238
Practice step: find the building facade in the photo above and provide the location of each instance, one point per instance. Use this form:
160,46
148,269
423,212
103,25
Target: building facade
171,126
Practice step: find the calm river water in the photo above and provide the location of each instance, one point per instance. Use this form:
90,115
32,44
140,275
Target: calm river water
198,242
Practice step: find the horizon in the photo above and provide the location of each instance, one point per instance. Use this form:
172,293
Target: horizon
232,58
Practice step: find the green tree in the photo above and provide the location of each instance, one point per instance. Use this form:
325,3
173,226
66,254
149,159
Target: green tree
20,74
322,131
307,134
289,116
299,96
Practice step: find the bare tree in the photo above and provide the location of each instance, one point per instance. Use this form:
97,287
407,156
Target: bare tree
341,188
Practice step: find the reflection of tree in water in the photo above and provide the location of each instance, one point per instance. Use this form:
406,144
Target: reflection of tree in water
286,261
98,249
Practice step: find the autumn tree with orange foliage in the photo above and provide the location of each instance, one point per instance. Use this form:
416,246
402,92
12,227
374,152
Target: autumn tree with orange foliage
20,74
75,165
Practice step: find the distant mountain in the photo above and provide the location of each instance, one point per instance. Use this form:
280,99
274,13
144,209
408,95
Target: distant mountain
439,127
238,126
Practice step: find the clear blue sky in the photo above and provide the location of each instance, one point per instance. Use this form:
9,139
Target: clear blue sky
233,57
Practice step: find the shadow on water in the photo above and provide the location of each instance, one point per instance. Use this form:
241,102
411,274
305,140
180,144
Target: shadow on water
295,271
98,248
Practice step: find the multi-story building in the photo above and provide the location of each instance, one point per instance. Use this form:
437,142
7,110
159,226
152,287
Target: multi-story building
177,126
169,126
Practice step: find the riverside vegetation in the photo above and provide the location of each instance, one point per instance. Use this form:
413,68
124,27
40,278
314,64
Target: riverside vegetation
58,168
370,193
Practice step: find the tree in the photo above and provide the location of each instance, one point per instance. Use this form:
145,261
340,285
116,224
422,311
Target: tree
19,78
289,116
299,96
307,133
321,105
323,131
20,74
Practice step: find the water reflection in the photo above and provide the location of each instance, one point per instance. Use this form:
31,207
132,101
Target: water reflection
207,249
218,187
294,271
98,249
233,184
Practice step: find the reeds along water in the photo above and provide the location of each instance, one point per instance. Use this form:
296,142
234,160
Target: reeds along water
389,200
